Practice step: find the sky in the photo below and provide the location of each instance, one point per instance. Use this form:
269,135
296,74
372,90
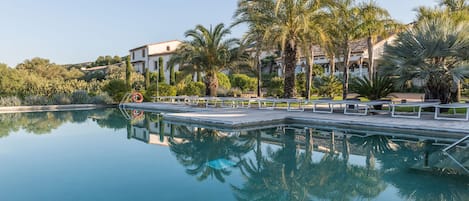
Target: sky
75,31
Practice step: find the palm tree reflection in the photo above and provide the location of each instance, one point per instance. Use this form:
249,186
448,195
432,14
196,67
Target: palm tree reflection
204,146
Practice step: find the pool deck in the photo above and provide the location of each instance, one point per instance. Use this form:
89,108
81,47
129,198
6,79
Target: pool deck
239,118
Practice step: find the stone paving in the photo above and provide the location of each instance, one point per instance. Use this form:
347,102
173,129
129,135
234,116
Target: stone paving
238,118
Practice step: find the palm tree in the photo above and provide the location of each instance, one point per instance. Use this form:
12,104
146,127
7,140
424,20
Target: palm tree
344,26
208,52
249,12
288,20
376,22
435,52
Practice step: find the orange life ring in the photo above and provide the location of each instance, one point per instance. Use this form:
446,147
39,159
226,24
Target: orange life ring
137,97
137,113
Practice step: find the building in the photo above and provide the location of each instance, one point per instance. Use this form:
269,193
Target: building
148,57
358,58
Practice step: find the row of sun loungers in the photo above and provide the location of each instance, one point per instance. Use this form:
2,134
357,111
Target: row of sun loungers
349,107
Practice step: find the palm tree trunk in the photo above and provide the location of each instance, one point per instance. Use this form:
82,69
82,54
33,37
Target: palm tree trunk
211,84
371,62
346,72
309,63
290,65
259,74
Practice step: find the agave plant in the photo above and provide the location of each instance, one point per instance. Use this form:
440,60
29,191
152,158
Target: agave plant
376,88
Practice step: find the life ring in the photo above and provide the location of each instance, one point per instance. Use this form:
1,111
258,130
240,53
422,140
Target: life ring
137,97
137,113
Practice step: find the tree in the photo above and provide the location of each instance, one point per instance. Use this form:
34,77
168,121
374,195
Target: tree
172,75
161,75
147,78
434,52
208,51
290,20
343,26
248,12
376,22
128,73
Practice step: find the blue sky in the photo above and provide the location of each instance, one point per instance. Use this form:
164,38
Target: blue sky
73,31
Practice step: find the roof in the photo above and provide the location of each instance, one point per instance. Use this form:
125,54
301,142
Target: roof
143,46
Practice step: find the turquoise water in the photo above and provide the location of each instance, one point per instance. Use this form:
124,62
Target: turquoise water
99,155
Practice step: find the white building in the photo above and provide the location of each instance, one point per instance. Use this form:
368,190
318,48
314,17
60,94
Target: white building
358,58
148,56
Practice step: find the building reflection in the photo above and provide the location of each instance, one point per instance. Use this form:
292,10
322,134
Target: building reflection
298,162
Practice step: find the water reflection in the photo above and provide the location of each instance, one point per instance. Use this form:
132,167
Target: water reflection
45,122
283,162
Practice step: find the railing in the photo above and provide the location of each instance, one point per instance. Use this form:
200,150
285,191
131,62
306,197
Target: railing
445,151
122,106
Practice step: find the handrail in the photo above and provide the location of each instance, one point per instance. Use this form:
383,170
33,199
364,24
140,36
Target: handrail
456,143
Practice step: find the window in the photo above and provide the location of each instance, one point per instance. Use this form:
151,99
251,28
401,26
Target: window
133,55
168,48
143,53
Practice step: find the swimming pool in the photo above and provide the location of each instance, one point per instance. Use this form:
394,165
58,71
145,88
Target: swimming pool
99,155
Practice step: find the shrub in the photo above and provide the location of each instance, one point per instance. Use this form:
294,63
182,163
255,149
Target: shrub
193,89
101,99
10,101
379,88
80,97
234,92
116,89
301,84
35,100
328,86
243,82
223,81
61,99
163,90
275,87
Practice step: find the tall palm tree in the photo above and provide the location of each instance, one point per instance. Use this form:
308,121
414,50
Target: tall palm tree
257,15
343,25
376,22
288,20
209,52
435,52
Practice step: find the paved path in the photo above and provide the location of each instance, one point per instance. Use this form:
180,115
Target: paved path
238,118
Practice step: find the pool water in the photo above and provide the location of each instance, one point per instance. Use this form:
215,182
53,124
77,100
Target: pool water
99,155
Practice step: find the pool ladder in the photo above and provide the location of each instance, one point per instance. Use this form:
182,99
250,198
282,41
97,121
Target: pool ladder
122,109
445,151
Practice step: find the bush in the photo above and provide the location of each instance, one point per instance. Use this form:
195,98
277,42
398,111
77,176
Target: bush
223,81
301,84
244,82
80,97
234,92
116,89
163,90
61,99
10,101
275,87
35,100
101,99
328,86
193,89
379,88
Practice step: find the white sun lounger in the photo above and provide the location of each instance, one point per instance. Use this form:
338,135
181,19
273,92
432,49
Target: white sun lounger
271,103
330,104
365,106
452,106
413,105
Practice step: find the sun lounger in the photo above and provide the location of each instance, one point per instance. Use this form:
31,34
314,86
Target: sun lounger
453,106
271,103
413,105
330,105
365,106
